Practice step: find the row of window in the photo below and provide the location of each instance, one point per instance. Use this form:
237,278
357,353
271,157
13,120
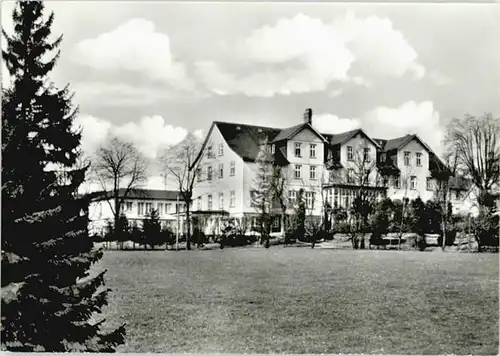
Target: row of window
220,171
145,208
366,154
309,198
210,205
210,153
367,157
407,158
312,150
345,197
313,172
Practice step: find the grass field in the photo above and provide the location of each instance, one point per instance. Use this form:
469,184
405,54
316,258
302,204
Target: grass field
299,300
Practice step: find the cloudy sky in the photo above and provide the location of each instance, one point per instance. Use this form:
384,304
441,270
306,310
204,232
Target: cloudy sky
150,72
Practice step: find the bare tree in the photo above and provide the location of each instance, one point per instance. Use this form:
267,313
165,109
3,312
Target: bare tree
361,173
119,165
475,144
262,189
404,178
280,193
183,162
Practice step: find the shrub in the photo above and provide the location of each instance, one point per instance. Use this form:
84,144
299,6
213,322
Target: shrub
199,237
342,227
450,238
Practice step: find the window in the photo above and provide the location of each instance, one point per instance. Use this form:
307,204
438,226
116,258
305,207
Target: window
232,199
272,149
168,208
221,201
382,157
298,168
312,172
310,200
366,154
209,201
292,194
297,149
209,173
407,158
419,159
397,182
276,222
232,168
429,183
413,182
221,149
350,153
221,170
312,150
160,208
198,174
140,209
350,175
209,152
149,207
129,206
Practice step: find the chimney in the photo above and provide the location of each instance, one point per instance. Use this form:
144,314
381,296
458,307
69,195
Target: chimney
308,116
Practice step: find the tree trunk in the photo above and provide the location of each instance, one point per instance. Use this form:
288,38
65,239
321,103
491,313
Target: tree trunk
188,227
444,221
116,215
283,221
402,222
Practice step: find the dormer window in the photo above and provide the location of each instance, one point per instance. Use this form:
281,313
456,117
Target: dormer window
297,149
272,149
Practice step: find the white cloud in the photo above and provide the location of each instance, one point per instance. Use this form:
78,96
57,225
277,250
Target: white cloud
439,78
332,124
94,131
336,92
134,46
199,134
150,134
384,122
303,54
379,47
408,118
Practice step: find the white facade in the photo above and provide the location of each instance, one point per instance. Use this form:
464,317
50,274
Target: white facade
229,186
136,210
305,168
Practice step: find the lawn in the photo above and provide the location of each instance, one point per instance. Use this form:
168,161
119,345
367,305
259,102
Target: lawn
298,300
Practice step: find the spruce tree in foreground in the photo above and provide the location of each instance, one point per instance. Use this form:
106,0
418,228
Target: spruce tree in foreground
49,299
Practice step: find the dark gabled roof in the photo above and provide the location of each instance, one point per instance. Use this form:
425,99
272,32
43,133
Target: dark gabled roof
146,194
245,140
394,143
339,139
286,133
291,131
399,142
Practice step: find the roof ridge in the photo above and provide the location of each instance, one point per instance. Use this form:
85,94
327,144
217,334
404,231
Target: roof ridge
249,125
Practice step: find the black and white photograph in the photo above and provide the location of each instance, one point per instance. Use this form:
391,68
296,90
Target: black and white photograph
236,177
